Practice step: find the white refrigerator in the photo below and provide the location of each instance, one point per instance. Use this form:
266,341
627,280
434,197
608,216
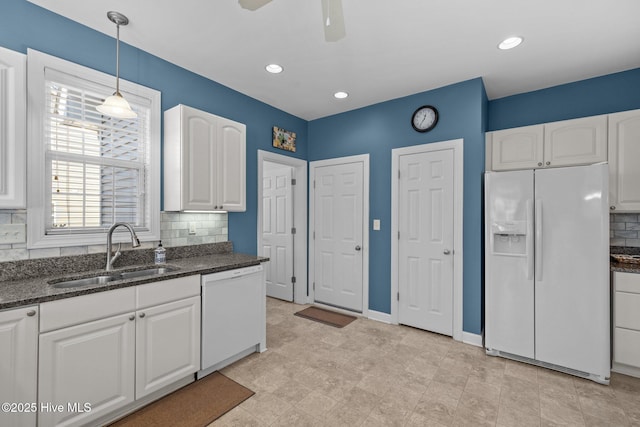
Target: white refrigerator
547,268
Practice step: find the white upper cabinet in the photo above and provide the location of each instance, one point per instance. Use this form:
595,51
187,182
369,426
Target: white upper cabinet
204,161
13,95
520,148
624,161
565,143
231,165
575,142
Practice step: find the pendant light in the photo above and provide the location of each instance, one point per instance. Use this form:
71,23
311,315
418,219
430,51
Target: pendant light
115,105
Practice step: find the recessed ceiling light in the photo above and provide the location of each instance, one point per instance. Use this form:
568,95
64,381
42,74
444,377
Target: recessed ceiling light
340,95
274,68
510,43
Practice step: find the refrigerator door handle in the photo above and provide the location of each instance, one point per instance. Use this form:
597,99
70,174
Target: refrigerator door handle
538,242
530,245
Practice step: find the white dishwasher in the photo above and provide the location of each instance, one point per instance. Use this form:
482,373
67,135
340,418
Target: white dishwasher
233,317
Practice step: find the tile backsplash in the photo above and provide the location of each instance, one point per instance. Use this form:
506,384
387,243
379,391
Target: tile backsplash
174,231
624,230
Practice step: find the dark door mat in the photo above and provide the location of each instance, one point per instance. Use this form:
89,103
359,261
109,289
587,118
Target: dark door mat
327,317
195,405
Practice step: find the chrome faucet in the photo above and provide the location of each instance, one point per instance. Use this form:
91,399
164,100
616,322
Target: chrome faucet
134,243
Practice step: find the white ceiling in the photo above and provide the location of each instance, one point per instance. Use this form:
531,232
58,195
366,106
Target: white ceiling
392,48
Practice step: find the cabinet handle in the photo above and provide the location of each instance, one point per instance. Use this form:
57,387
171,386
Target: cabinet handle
539,163
142,315
613,208
548,163
132,317
31,313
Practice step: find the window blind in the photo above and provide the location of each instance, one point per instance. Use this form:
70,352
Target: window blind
96,165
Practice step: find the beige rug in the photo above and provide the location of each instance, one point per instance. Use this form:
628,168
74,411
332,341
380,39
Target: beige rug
327,317
195,405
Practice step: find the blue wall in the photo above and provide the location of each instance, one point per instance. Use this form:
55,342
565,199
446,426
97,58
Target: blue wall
380,128
24,25
600,95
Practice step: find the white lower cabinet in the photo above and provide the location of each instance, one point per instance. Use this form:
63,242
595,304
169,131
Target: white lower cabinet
18,365
91,363
100,353
626,323
167,344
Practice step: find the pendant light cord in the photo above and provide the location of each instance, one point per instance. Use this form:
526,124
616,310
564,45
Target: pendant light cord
118,59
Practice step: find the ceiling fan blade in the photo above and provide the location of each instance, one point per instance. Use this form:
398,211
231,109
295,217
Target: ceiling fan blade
252,4
333,20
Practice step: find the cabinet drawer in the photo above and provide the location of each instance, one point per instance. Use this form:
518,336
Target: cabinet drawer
627,310
167,291
627,282
626,347
85,308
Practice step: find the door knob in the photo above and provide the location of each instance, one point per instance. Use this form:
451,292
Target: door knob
358,248
446,252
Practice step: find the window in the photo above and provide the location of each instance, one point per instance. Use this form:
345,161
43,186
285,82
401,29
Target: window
86,170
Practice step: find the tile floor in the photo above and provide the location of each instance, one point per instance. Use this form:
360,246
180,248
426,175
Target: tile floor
374,374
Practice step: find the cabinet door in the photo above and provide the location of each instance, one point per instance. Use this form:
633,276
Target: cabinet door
13,112
624,161
519,148
167,344
18,363
199,180
91,363
231,165
626,322
575,142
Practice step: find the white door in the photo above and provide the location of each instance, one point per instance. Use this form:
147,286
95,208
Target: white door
167,344
277,224
509,286
338,230
425,247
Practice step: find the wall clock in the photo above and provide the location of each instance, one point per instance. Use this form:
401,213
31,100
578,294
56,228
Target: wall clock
424,118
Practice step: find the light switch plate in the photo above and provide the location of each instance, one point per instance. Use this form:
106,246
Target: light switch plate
12,233
376,224
192,228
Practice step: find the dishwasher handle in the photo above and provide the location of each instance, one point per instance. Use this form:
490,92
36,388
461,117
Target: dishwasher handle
232,274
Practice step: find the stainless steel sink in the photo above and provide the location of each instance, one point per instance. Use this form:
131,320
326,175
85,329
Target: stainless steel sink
106,278
146,272
97,280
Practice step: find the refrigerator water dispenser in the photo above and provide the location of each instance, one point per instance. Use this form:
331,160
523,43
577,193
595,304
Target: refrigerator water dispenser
509,238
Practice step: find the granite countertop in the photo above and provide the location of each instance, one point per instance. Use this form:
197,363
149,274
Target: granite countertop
622,266
35,288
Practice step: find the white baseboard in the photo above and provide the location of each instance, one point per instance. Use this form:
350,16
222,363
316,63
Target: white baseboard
380,316
472,339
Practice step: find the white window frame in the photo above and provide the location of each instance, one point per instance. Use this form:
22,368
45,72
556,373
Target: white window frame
36,162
